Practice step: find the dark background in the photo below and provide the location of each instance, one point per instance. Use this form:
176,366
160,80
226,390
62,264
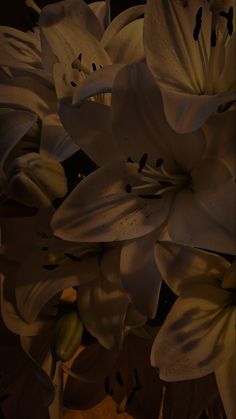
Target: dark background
16,13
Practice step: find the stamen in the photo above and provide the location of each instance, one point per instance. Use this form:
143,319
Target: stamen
150,196
165,183
50,267
129,160
229,17
142,162
94,67
198,25
73,84
80,57
73,257
159,162
128,188
119,379
107,385
213,38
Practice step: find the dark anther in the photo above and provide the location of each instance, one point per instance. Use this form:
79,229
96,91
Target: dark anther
198,24
94,67
101,66
128,188
50,267
213,38
44,248
130,398
165,183
129,160
73,84
229,17
142,162
73,257
80,56
107,385
159,162
150,196
119,378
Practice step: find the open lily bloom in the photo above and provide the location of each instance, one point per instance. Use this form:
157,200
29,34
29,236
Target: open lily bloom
190,48
49,265
198,335
127,376
184,181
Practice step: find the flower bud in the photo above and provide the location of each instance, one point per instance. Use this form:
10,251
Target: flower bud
68,335
35,181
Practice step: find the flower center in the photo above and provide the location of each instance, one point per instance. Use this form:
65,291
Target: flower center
83,72
153,183
212,51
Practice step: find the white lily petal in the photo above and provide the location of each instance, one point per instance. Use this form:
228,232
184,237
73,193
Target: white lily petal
24,47
226,381
140,276
102,11
101,81
180,266
127,45
27,94
188,399
103,303
120,22
99,208
192,224
187,112
197,336
136,95
171,51
65,35
13,126
89,125
11,317
55,142
41,280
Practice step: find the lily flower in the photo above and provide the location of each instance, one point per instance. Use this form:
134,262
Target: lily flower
124,375
39,68
183,181
47,266
189,47
198,335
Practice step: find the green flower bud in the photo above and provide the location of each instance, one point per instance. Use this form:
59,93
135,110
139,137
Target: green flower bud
68,335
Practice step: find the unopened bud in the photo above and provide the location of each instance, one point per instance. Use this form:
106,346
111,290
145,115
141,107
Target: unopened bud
68,335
